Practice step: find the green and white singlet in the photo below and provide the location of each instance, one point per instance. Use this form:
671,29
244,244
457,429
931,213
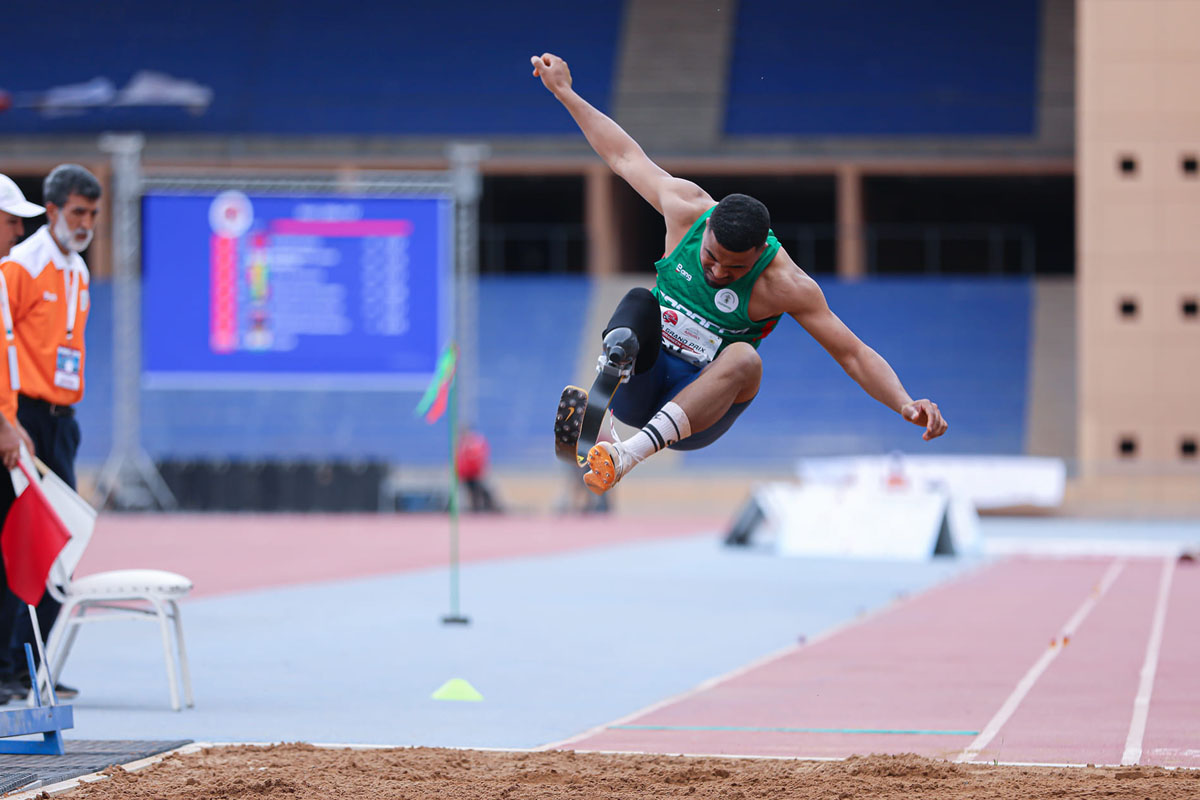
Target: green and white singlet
698,321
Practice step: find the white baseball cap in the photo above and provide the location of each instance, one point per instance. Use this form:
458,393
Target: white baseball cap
14,202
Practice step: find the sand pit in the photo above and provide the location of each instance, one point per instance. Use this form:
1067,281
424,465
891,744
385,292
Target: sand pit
304,772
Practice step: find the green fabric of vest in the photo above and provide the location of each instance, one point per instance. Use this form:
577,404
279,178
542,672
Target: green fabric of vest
681,287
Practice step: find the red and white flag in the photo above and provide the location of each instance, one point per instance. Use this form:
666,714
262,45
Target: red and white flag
31,540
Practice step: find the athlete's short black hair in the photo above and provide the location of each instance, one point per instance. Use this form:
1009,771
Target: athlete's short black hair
66,180
740,223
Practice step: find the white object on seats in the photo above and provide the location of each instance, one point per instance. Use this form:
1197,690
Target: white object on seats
985,481
148,594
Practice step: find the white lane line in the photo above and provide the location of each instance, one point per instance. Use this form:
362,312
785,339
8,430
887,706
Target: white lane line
1026,683
1141,704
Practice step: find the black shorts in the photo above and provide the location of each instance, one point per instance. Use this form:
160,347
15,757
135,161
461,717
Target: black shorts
638,400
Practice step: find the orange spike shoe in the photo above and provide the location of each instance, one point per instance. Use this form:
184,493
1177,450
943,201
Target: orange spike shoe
607,464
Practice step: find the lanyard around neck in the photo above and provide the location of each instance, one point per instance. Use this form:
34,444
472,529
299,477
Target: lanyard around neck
14,374
5,310
71,286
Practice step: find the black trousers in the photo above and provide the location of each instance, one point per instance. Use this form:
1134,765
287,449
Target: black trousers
10,604
480,496
56,440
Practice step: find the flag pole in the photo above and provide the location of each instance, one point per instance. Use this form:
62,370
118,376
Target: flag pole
455,617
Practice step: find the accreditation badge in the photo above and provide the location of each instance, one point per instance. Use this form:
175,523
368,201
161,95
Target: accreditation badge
66,368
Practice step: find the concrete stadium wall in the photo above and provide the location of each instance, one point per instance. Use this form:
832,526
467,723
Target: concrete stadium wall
1139,241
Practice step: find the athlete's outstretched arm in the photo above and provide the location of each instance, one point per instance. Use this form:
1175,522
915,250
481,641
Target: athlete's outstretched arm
806,303
618,149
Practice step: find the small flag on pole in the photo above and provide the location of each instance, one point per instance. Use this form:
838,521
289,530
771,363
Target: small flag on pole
433,402
31,540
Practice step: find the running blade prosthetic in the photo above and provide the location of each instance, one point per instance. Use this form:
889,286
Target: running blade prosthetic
580,414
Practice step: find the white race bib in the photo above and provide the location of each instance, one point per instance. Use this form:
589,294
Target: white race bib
688,338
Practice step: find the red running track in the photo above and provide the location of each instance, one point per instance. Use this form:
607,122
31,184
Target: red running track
982,654
225,553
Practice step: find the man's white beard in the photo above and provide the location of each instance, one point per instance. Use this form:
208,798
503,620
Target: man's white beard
66,237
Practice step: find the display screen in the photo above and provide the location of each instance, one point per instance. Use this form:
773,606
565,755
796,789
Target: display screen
269,291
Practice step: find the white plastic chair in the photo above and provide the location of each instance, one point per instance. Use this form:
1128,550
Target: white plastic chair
148,594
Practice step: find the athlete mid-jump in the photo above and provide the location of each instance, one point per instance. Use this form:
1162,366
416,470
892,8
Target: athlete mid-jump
685,355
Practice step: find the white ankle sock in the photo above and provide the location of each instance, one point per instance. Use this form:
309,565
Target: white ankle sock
667,427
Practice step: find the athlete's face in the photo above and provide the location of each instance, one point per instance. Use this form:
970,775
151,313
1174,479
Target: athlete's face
722,267
74,223
12,228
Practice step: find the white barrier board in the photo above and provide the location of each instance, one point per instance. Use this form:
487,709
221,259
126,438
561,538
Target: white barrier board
860,522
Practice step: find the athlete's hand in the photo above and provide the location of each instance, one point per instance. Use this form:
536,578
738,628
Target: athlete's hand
10,444
926,414
554,72
28,442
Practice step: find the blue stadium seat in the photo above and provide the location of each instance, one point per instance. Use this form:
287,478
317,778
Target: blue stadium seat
879,68
355,66
529,331
964,343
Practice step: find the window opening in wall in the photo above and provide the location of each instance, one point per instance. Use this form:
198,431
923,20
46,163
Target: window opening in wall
532,224
1127,447
969,225
1189,307
803,216
1188,164
1187,447
1128,165
1129,307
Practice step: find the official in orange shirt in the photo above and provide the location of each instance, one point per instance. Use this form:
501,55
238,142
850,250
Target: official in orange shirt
14,210
48,301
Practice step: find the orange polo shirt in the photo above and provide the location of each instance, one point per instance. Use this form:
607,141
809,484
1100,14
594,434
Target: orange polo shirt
41,282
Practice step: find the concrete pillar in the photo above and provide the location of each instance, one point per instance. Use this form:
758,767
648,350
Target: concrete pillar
851,258
600,221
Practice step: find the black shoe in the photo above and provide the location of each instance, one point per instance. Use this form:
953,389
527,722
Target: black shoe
61,690
64,692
